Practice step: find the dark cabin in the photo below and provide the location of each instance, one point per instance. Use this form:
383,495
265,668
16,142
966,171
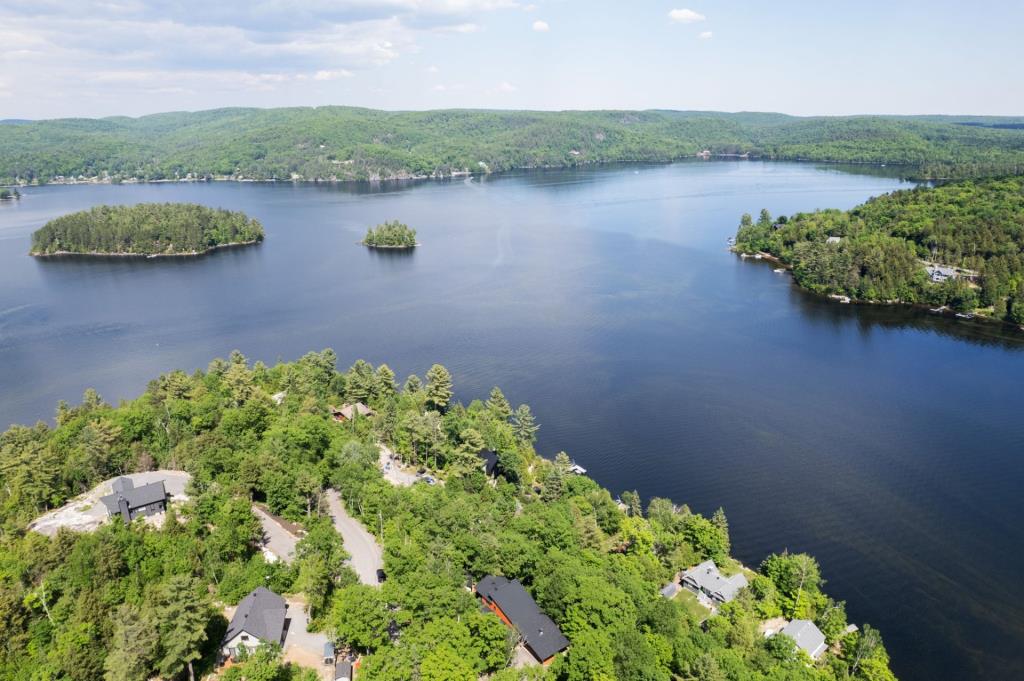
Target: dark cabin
516,608
130,501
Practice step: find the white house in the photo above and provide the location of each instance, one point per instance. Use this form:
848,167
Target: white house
260,618
807,636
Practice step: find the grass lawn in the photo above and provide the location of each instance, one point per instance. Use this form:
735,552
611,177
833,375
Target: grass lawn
692,605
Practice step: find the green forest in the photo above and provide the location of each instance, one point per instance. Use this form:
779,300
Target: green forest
392,234
132,602
347,143
884,244
146,229
9,194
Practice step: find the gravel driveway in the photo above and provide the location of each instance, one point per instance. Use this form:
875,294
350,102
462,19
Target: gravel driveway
276,539
367,555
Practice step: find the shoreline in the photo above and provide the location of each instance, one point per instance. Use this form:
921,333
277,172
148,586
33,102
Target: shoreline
390,248
146,256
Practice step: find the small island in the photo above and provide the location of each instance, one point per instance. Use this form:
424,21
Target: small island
9,195
146,229
392,234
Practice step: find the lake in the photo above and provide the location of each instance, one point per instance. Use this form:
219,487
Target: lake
888,443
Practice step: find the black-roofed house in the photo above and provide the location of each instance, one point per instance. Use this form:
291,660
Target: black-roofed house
260,618
516,608
490,461
129,501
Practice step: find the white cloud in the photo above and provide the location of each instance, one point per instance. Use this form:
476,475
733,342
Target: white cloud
432,69
505,86
332,75
705,35
541,26
685,16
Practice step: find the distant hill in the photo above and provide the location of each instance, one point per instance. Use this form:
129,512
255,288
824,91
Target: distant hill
346,143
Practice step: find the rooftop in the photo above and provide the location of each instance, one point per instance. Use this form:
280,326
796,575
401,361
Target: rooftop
708,579
136,497
541,635
807,636
260,614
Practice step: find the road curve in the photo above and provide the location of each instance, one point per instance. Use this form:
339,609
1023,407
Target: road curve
367,555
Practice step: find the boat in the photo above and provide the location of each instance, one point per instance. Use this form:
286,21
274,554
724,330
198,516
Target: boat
577,469
964,315
758,256
938,310
779,270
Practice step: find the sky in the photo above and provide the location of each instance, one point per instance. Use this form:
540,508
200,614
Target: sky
77,58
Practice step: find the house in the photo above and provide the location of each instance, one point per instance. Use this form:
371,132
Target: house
516,608
130,501
490,461
834,240
343,670
348,411
807,636
260,618
706,579
670,590
940,273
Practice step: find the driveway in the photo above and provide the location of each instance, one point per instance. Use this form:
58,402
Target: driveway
279,542
367,555
301,646
394,470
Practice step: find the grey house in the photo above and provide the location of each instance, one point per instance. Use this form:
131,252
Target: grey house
706,579
129,501
260,618
516,608
807,636
940,273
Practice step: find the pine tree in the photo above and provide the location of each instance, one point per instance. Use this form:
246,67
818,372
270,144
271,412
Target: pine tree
133,647
182,615
722,524
439,387
498,405
523,426
412,384
385,382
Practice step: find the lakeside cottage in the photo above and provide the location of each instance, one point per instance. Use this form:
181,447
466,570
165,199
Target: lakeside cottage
707,580
260,618
130,501
516,608
807,636
489,460
348,411
940,273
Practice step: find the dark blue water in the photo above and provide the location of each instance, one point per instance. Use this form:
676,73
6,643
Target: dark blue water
887,443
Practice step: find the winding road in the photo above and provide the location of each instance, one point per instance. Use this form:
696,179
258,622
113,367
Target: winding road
367,554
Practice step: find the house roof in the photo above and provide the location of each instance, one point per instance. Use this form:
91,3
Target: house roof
342,670
541,635
807,636
490,460
136,497
349,410
941,269
707,578
260,614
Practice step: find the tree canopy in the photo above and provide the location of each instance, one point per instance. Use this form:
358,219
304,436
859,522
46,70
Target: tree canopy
146,229
392,234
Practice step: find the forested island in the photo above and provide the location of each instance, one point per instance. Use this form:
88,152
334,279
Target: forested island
959,245
9,194
346,143
130,601
146,229
392,234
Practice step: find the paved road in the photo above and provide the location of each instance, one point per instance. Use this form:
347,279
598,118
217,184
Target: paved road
276,539
394,470
367,555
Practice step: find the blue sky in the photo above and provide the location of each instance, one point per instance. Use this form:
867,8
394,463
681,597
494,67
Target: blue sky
133,57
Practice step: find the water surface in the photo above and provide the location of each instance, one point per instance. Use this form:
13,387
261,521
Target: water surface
887,443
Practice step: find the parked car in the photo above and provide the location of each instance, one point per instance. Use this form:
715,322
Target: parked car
381,577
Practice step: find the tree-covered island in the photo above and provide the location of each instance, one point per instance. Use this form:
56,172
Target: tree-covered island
392,234
135,601
146,229
9,194
958,245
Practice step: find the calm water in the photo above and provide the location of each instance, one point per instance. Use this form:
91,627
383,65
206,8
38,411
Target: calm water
888,444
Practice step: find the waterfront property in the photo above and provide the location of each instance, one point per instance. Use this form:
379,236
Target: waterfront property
707,580
807,636
260,618
349,411
940,273
130,501
489,460
516,608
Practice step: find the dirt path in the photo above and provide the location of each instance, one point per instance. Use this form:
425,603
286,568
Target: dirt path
367,555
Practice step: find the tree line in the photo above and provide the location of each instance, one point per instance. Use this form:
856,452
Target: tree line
127,603
145,229
344,143
884,244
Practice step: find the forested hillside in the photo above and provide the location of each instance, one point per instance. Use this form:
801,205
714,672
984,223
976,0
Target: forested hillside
145,229
885,244
350,143
129,603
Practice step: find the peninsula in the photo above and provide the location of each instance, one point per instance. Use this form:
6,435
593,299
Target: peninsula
392,234
958,246
146,229
9,195
624,589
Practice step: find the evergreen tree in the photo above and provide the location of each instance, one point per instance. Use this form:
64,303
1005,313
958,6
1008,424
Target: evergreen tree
498,405
181,615
439,387
523,426
133,647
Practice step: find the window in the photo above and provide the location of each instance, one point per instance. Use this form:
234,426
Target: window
244,637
